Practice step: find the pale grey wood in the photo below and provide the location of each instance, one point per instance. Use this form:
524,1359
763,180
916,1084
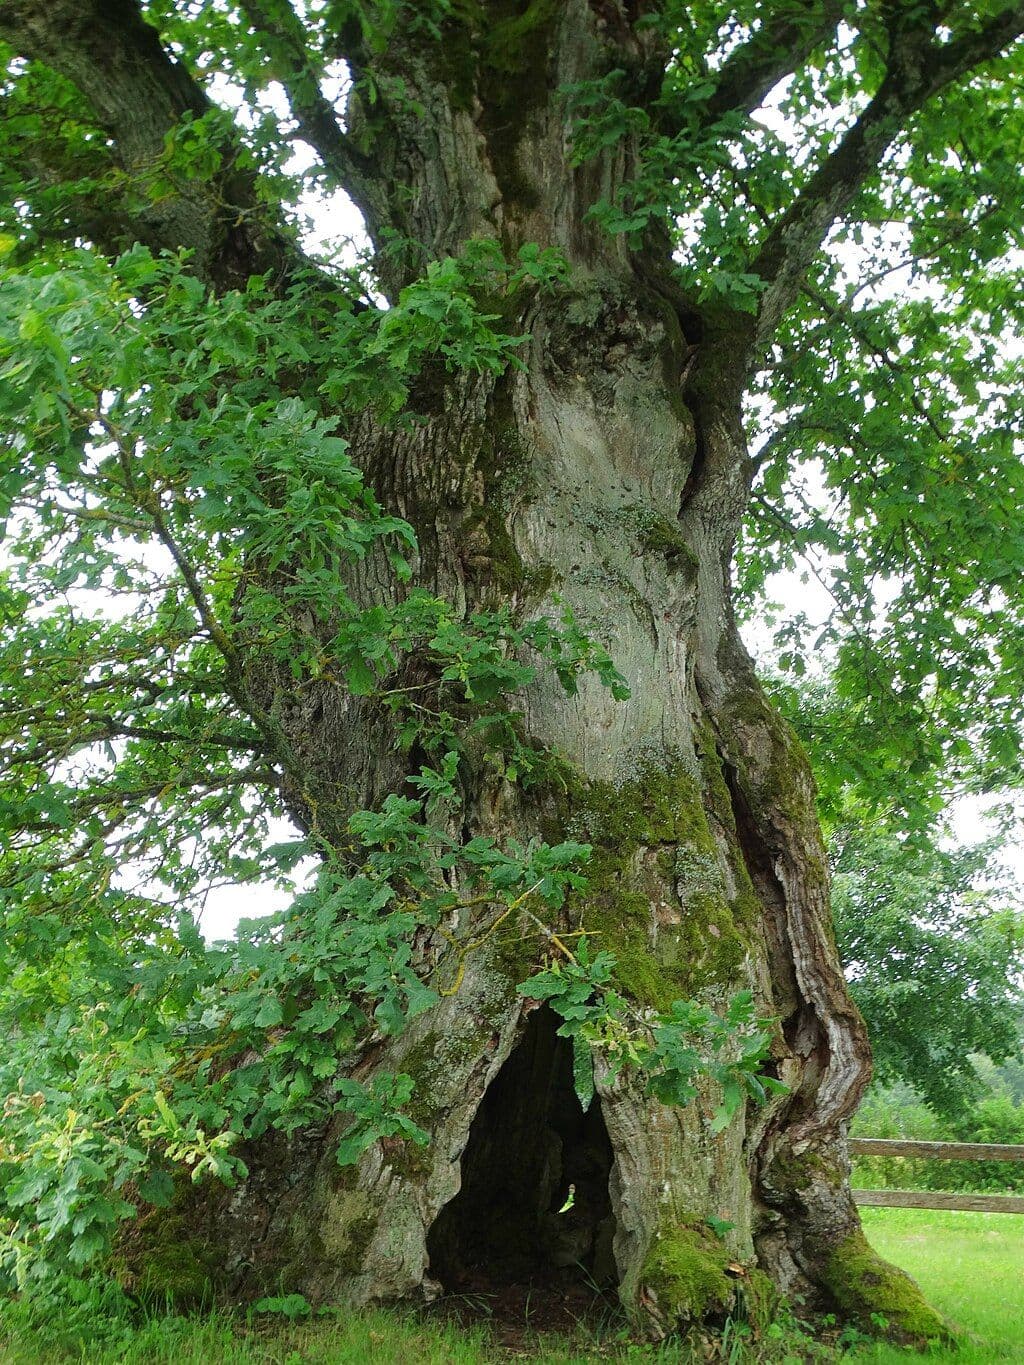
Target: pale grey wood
940,1151
939,1199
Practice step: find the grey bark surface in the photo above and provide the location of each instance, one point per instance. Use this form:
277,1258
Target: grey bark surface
596,478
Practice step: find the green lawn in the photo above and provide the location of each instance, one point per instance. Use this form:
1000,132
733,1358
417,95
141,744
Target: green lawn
970,1266
350,1339
366,1338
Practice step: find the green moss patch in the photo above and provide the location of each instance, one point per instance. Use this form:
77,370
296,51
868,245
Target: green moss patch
653,846
760,1299
791,1171
163,1258
874,1292
685,1273
659,536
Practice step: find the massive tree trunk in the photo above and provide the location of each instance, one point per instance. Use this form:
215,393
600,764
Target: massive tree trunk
610,473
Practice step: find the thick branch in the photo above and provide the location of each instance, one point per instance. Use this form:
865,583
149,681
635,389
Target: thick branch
138,94
919,68
783,43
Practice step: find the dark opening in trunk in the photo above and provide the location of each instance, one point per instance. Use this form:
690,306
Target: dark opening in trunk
534,1204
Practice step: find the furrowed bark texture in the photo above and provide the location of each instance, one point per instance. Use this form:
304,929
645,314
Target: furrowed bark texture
610,473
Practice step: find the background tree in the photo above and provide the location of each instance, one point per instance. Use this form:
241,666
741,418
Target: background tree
928,924
933,957
591,244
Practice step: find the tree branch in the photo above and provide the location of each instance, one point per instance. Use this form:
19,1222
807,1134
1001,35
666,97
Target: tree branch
138,94
283,39
103,798
919,67
848,317
783,42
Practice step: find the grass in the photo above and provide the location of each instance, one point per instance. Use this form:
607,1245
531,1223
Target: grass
218,1339
971,1268
364,1338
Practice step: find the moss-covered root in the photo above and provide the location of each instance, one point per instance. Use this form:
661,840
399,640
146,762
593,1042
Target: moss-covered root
684,1279
164,1259
880,1297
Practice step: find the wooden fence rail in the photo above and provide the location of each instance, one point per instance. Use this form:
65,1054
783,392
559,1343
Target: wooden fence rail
938,1151
942,1151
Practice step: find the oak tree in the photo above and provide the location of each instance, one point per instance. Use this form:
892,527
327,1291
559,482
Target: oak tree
433,553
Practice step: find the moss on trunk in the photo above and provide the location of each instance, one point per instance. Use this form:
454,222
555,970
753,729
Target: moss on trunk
685,1277
879,1296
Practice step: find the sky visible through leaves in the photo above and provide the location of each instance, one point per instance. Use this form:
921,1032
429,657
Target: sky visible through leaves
335,231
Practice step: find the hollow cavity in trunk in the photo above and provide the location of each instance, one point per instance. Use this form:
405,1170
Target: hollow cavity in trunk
533,1207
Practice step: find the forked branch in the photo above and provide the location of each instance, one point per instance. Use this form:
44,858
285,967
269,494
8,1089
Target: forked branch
783,43
919,67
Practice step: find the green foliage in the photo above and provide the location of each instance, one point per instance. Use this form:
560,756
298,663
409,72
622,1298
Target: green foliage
887,428
168,1060
175,503
166,451
675,172
899,1111
293,1307
438,319
674,1049
376,1114
933,944
714,179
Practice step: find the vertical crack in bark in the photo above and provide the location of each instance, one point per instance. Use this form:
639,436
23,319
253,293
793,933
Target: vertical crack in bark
698,468
801,1165
777,806
760,867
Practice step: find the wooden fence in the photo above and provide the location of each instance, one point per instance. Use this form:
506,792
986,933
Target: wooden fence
938,1151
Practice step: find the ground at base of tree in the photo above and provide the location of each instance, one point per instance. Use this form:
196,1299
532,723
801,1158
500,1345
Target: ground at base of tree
971,1267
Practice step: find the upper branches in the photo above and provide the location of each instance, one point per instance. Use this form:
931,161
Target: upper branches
918,67
281,35
783,43
139,94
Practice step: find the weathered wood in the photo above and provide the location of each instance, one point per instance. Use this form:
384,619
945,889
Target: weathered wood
940,1151
939,1199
